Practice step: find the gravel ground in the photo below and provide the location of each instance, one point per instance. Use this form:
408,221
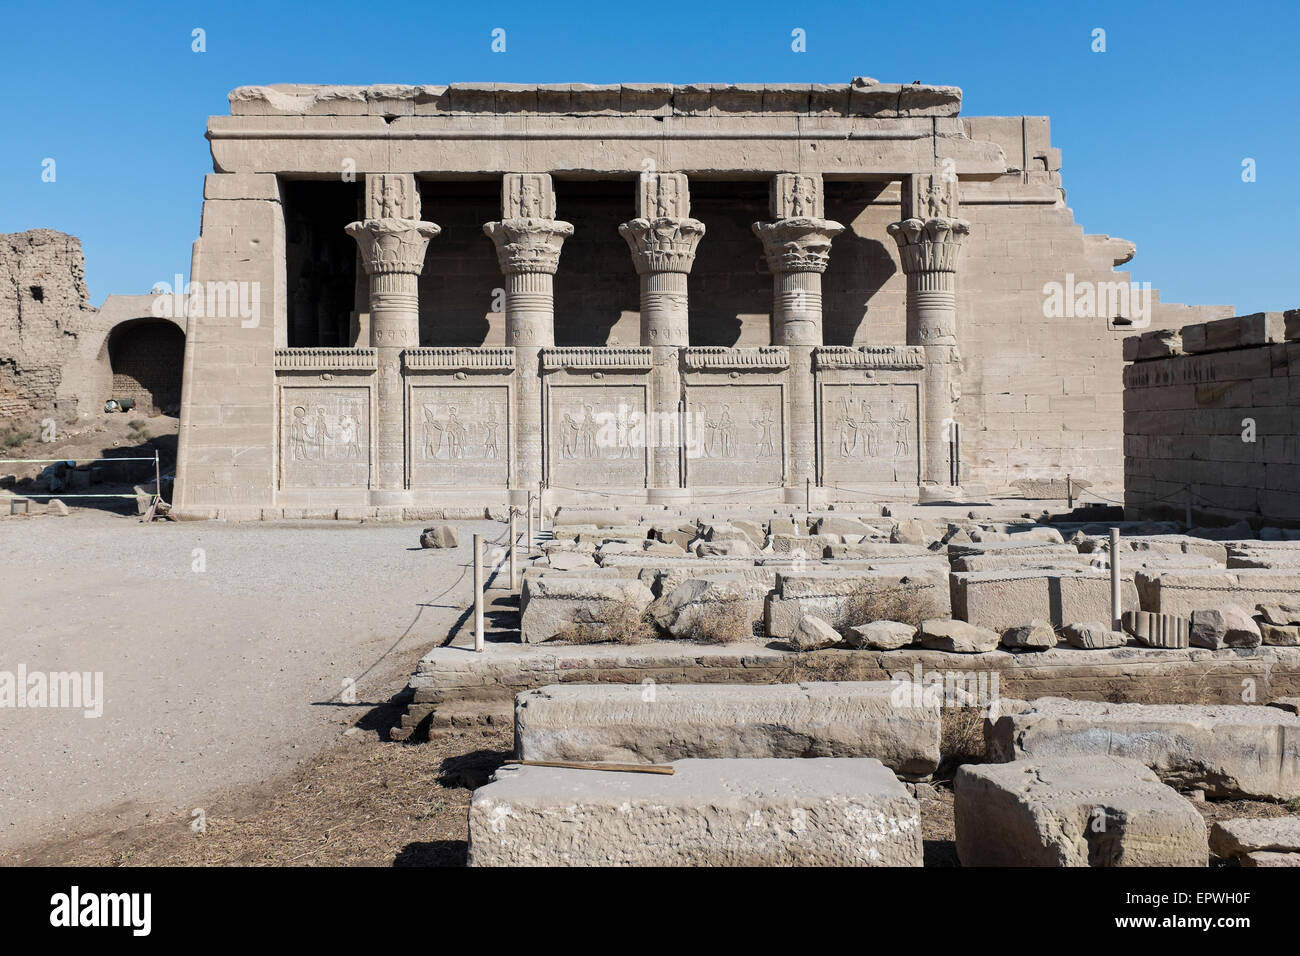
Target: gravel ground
223,648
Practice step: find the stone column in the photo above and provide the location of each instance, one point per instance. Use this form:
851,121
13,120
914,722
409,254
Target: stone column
663,239
929,244
393,241
797,246
528,240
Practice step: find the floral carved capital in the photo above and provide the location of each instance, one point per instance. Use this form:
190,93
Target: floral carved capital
798,244
528,244
392,245
665,244
930,245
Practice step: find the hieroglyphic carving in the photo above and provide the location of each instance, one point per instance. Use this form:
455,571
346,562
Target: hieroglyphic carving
460,435
392,196
734,436
325,437
870,433
597,436
796,196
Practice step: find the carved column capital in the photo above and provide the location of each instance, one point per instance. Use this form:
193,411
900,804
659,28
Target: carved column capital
393,246
665,244
527,245
799,244
930,245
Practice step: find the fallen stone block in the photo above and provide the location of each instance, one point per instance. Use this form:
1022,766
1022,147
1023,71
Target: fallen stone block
842,524
666,722
832,595
679,611
1280,614
1276,635
569,560
1182,592
881,635
1224,626
812,634
1003,599
1225,750
439,536
552,605
1266,858
767,812
1078,811
1036,635
1092,635
956,636
1236,838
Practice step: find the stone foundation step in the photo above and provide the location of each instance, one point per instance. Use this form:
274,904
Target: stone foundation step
658,723
766,812
1226,750
1073,811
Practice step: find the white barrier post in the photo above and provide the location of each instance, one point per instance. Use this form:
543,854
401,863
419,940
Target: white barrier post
529,544
1116,617
478,592
514,556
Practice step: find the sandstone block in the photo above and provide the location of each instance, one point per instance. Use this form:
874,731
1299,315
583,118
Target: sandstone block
1036,635
1233,838
1077,811
1002,599
881,635
1279,614
956,636
552,604
635,724
1157,630
812,633
1225,750
1225,626
1092,635
1276,635
439,536
766,812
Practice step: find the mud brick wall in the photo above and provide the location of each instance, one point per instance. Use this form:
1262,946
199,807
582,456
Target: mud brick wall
1214,410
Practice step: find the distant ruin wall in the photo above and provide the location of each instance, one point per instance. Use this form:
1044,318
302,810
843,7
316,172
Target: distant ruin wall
1212,411
44,309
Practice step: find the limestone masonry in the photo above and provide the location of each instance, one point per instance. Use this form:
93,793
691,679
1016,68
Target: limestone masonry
421,296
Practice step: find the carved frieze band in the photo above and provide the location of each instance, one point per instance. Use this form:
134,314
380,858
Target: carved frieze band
619,358
325,360
723,359
882,357
451,359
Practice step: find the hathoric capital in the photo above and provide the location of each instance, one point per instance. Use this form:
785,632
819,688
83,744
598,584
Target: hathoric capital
799,244
392,245
664,244
528,244
930,245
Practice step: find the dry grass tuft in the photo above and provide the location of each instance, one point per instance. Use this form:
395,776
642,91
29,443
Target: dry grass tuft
898,603
621,623
719,622
961,734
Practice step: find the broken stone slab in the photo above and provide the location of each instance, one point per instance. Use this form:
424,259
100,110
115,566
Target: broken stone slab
1094,810
561,560
678,611
1157,630
439,536
1067,558
1267,858
1235,838
1281,615
881,635
731,547
808,545
812,634
1276,635
1036,635
666,722
915,531
1227,750
1225,626
821,811
1002,599
842,524
1092,635
551,605
956,636
56,507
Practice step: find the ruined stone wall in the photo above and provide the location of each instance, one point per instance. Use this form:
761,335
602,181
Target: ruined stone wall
1213,411
44,308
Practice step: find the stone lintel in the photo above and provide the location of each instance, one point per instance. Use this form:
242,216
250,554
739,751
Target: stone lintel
621,358
454,359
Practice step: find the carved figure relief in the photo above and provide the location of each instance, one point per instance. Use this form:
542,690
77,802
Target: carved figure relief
460,435
870,434
325,439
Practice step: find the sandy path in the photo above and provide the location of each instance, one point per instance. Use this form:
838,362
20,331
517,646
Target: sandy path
212,678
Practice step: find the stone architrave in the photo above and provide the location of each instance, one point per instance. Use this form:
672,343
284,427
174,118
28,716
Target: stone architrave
392,246
663,239
930,250
797,247
528,240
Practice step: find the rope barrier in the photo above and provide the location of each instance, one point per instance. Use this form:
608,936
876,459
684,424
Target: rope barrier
55,461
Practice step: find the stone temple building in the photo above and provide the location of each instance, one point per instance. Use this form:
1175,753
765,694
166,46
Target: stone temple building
408,298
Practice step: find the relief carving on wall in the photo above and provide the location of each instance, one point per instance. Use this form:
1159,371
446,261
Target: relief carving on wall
325,437
733,435
870,433
460,435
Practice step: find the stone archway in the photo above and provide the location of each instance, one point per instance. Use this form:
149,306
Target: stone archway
146,357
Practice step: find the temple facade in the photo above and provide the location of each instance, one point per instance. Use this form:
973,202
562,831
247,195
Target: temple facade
411,298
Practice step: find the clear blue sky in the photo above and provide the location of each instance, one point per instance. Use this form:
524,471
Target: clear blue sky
1153,131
